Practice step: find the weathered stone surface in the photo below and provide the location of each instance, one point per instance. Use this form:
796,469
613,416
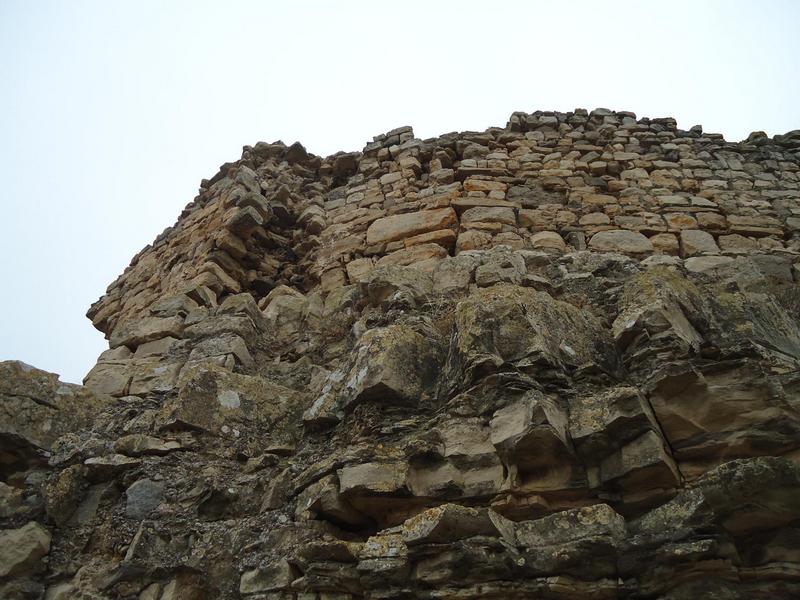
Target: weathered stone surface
743,408
374,478
508,326
63,493
531,430
580,542
21,550
701,264
395,282
464,204
548,240
142,445
394,364
236,407
266,579
322,500
452,522
694,241
454,276
665,242
143,497
36,409
626,242
553,360
482,214
424,257
397,227
146,330
500,266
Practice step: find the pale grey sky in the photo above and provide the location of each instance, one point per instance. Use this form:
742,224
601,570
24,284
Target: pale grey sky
111,112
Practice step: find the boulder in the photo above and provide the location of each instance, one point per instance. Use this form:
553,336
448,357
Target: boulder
532,438
232,406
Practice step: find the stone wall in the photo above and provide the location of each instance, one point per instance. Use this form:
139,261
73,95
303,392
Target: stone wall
556,360
601,180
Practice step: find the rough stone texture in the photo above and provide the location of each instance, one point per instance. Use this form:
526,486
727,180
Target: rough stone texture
626,242
21,550
558,359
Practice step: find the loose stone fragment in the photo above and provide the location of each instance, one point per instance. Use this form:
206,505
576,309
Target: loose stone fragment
21,550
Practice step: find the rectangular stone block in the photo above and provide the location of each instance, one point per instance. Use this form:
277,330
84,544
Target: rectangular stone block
398,227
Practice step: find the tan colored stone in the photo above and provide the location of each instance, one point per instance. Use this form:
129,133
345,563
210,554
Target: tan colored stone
736,243
679,221
423,256
598,199
444,237
146,330
548,240
595,218
332,279
359,268
626,242
397,227
695,241
473,240
665,243
483,185
275,576
482,214
757,226
508,238
462,204
452,522
21,550
373,478
711,221
702,264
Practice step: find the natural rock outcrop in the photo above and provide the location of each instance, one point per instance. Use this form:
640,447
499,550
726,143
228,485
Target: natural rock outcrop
559,359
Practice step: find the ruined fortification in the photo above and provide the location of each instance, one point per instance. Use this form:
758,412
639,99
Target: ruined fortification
559,359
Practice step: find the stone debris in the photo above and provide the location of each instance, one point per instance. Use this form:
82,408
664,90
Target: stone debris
557,359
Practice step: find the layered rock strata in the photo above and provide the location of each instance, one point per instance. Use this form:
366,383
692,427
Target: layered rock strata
559,359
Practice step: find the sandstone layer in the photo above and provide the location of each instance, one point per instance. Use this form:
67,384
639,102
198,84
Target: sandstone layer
559,359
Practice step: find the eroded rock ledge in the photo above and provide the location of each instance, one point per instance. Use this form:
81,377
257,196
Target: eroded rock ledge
555,360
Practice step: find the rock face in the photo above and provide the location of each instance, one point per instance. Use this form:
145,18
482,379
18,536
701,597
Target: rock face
559,359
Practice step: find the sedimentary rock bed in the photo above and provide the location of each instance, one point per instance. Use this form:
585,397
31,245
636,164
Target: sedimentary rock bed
559,359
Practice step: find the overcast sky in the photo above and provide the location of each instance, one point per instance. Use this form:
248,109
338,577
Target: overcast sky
112,112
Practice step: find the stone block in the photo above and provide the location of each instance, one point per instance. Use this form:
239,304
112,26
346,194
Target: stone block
623,241
398,227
